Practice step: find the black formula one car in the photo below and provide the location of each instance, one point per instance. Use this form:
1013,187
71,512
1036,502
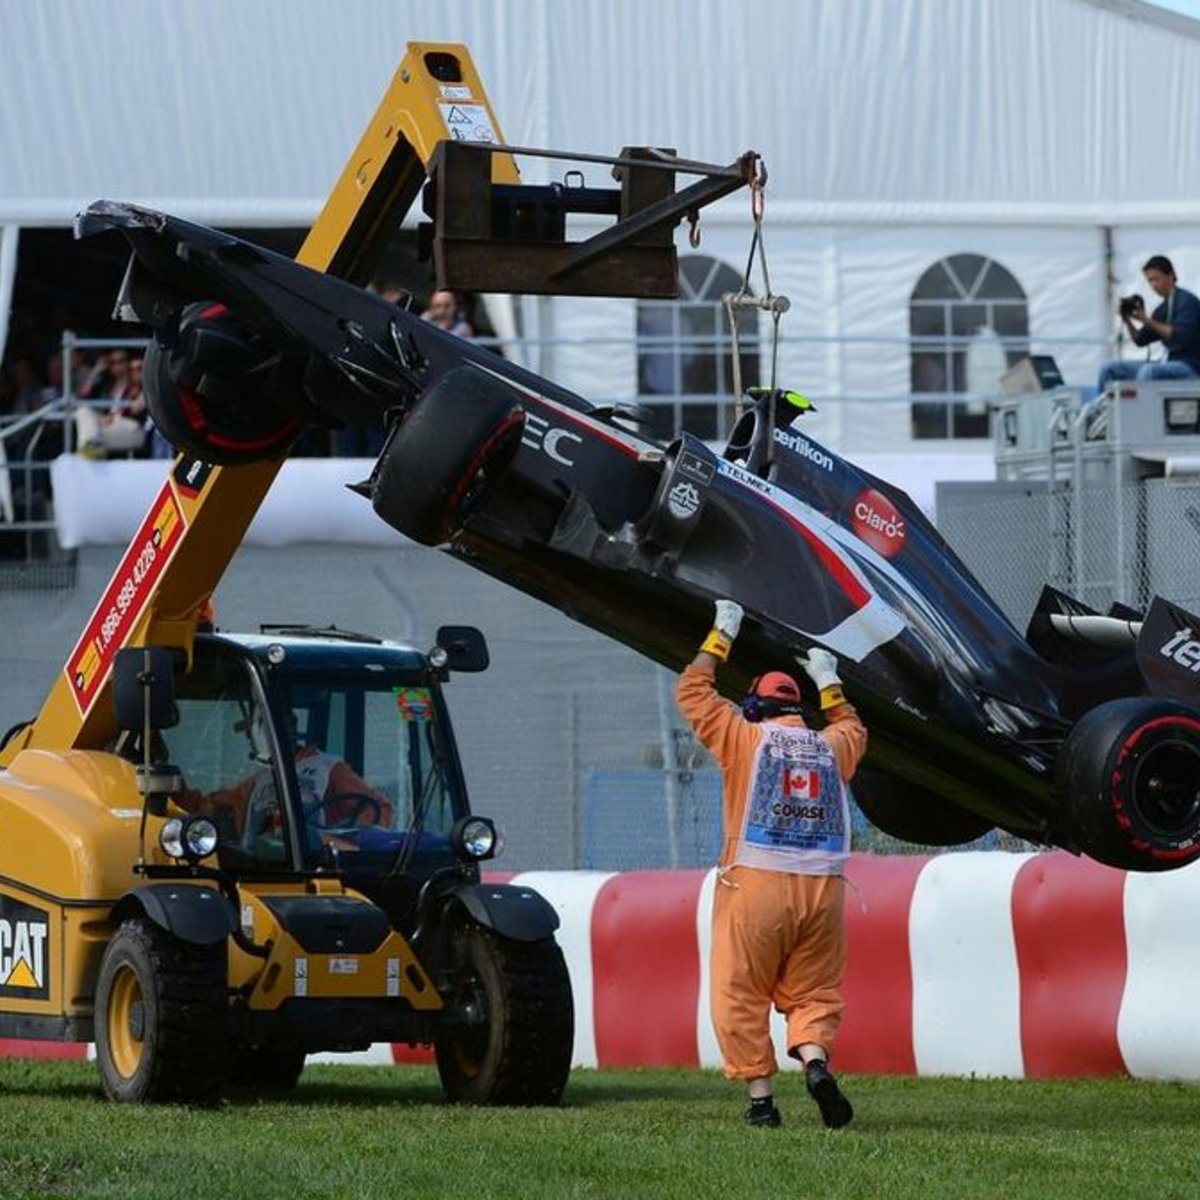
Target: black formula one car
1085,733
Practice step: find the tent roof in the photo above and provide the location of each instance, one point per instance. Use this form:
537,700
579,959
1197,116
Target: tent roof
1069,110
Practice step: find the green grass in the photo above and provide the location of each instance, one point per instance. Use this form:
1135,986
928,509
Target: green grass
367,1132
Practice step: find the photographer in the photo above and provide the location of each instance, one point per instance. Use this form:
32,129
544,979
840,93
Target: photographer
1175,323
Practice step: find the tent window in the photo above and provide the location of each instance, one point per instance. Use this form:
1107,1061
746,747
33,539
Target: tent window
968,321
685,358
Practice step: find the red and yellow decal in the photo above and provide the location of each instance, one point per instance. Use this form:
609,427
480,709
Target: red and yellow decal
125,598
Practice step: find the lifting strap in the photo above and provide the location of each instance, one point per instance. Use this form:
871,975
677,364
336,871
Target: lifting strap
744,298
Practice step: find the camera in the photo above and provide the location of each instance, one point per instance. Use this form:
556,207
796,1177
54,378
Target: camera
1131,305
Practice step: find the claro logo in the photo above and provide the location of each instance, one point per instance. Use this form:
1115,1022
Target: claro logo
875,520
1184,650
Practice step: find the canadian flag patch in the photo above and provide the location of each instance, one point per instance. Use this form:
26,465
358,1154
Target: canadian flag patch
799,784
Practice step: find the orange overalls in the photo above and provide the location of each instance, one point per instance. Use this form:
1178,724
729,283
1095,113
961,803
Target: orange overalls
778,936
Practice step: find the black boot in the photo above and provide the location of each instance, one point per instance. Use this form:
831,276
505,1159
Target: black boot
836,1110
762,1112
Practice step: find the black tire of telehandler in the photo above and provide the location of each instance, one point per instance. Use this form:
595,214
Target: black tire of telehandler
162,1017
905,811
271,1068
521,1055
224,412
1129,777
442,461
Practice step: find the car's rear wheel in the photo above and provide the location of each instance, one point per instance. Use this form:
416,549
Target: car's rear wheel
1129,777
510,1038
441,462
214,390
907,811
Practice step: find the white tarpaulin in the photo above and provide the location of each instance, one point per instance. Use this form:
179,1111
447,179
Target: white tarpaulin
308,502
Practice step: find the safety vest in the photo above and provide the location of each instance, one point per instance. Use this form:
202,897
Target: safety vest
797,818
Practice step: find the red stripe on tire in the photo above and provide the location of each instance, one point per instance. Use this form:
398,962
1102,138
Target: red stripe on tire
877,1030
1069,926
646,969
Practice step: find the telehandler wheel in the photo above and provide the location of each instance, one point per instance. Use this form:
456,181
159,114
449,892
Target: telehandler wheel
512,1043
161,1017
441,462
272,1068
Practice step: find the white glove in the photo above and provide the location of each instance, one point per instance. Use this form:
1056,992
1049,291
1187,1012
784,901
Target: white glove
821,667
729,618
725,628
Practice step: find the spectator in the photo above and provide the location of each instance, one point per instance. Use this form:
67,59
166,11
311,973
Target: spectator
447,311
28,384
120,429
1175,323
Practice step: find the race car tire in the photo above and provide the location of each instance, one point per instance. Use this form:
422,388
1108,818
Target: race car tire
515,1042
1129,777
213,390
906,811
444,458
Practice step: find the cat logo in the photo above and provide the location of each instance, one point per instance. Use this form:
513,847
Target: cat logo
24,951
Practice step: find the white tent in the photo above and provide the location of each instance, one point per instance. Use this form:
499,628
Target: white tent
1052,137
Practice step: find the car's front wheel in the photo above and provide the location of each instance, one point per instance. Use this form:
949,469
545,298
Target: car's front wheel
215,389
442,461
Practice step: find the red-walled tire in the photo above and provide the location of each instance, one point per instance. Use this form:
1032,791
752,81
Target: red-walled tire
1129,776
215,391
441,463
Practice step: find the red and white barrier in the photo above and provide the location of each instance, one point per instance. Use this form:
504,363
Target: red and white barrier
975,963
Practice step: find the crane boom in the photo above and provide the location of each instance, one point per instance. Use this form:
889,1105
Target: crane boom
201,513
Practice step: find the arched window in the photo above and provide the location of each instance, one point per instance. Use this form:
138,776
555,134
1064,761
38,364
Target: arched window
685,354
968,321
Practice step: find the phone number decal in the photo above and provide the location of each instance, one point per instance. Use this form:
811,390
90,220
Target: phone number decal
125,598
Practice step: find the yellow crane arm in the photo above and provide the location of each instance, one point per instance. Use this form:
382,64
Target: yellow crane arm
200,515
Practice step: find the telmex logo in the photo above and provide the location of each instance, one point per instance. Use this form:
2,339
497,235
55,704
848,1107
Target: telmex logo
803,447
1184,650
24,935
875,520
